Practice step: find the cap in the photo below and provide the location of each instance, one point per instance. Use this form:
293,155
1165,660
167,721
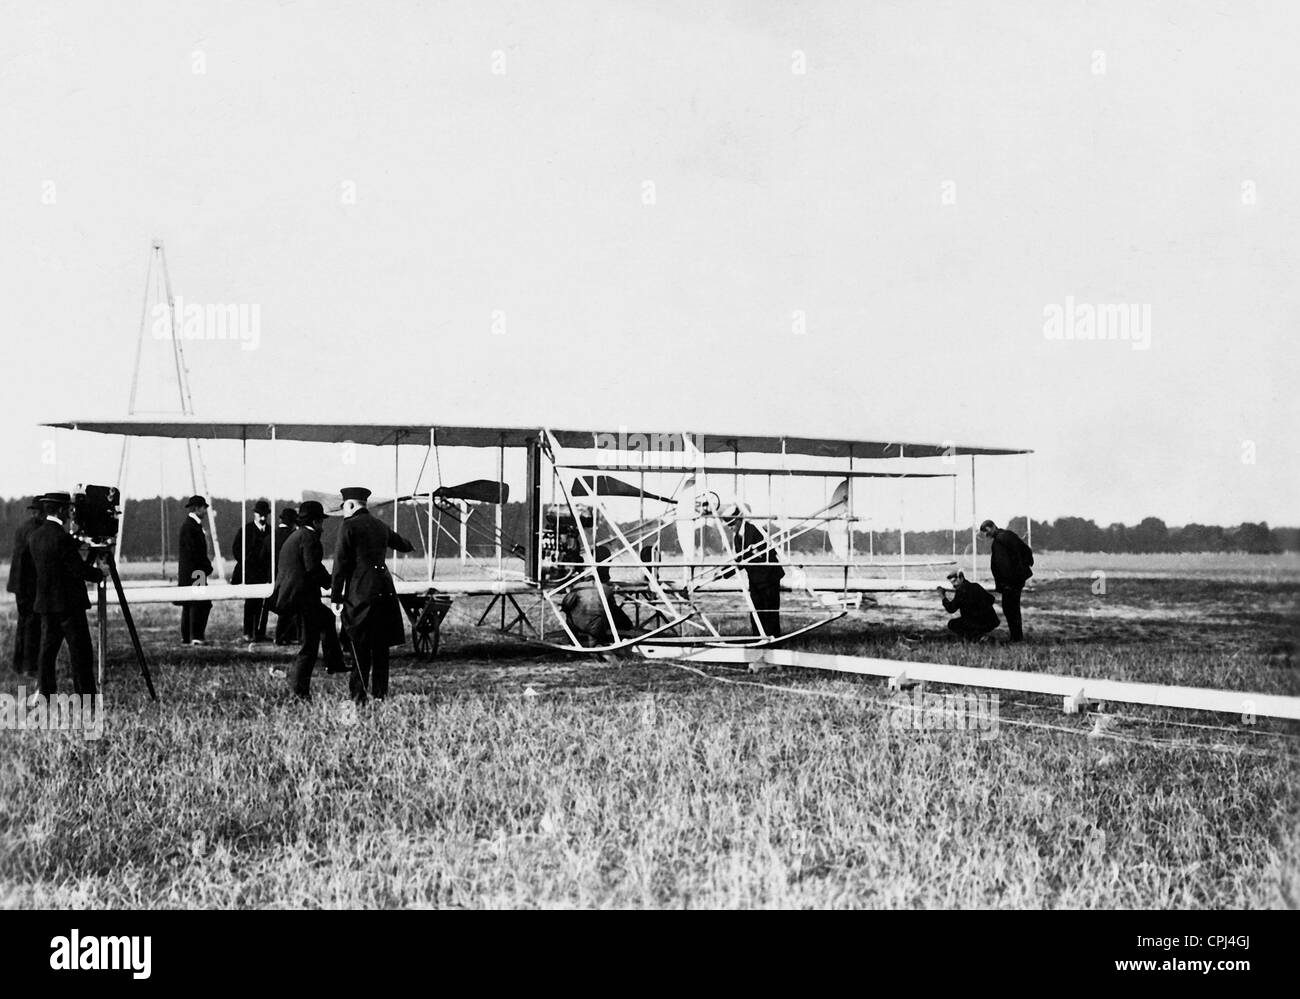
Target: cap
987,524
262,507
309,510
355,493
954,574
194,501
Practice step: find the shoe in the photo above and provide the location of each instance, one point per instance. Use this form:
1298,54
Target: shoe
197,641
248,639
338,669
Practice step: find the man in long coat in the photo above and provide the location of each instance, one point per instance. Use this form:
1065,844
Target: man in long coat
286,620
22,584
362,584
251,551
299,578
757,557
193,567
1010,561
60,597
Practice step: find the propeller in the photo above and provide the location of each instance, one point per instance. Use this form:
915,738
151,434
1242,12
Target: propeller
607,485
476,490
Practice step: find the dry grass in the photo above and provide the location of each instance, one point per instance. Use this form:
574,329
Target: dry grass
629,785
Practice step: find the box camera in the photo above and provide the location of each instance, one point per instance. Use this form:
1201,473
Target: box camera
95,509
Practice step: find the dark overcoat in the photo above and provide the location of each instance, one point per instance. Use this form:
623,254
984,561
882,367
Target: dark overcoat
192,554
61,573
361,581
254,565
300,574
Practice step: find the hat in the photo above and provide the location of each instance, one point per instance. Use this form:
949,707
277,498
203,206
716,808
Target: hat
289,515
262,507
59,499
954,574
732,511
355,493
310,510
194,501
35,504
987,524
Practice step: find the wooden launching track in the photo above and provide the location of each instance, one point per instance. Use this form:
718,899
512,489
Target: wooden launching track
1077,691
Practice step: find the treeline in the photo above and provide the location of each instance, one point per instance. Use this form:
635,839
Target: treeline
152,526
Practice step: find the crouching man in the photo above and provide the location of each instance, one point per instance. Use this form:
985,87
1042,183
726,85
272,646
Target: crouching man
974,606
585,603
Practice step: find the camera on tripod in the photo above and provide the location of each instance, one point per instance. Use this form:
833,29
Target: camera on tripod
98,517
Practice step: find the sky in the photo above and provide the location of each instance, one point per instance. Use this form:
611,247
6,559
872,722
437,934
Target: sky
851,219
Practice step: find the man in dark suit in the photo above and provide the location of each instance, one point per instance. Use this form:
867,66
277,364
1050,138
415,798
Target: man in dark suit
22,584
299,578
194,565
286,621
251,551
361,583
759,561
974,606
1010,561
60,599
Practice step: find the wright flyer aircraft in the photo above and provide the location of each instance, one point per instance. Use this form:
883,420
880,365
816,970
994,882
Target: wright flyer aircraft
646,520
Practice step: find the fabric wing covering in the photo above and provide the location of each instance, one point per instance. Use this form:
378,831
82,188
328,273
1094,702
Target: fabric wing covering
659,443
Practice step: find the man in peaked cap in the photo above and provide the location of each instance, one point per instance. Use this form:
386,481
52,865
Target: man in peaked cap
22,584
251,551
60,596
299,578
286,621
361,583
193,567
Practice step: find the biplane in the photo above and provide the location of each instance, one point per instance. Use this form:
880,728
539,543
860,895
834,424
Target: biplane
637,516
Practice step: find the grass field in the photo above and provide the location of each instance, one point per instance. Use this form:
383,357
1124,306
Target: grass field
499,778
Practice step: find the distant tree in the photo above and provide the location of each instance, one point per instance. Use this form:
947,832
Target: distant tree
1075,534
1254,538
1151,535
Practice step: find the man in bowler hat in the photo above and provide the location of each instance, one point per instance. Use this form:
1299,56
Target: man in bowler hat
193,567
299,578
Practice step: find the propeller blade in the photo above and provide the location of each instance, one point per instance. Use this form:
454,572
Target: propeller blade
607,485
480,490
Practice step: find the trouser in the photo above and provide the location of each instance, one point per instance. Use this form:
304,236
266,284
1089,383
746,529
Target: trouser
1011,611
287,631
372,667
767,605
255,619
968,630
194,619
27,640
72,627
317,629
